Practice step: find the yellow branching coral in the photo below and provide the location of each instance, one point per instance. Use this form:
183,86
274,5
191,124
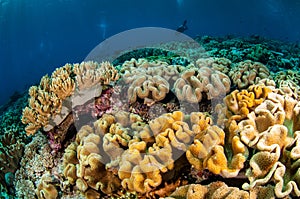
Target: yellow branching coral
62,84
42,105
49,102
247,73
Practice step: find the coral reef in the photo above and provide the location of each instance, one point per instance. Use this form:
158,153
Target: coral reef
247,73
219,120
11,150
46,189
194,83
49,102
36,160
215,190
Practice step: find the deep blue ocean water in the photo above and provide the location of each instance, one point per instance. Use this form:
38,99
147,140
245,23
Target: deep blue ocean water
36,36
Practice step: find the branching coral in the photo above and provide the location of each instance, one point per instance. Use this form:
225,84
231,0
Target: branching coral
49,102
124,150
89,74
11,150
36,160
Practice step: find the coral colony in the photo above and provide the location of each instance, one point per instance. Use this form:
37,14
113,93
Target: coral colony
154,127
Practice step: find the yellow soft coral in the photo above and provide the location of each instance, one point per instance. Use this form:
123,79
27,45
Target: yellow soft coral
84,165
46,189
216,190
207,152
241,103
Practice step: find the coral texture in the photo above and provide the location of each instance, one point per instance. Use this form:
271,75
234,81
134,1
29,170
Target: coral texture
247,73
152,127
49,102
194,83
216,190
11,151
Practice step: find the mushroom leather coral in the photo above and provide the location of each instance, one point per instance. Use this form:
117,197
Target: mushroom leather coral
88,171
154,87
247,73
207,152
220,64
215,190
241,103
45,189
194,82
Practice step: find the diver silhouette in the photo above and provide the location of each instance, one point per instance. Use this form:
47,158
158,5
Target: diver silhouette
182,27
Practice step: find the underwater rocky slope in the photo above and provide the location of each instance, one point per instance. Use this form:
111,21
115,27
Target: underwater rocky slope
219,121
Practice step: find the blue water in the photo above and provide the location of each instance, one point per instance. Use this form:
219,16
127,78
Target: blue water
36,36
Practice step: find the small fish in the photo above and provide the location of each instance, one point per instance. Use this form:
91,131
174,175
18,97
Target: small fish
182,27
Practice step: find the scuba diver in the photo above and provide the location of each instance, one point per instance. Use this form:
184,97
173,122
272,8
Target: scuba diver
182,27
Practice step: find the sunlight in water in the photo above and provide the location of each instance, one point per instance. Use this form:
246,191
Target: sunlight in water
103,27
179,2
